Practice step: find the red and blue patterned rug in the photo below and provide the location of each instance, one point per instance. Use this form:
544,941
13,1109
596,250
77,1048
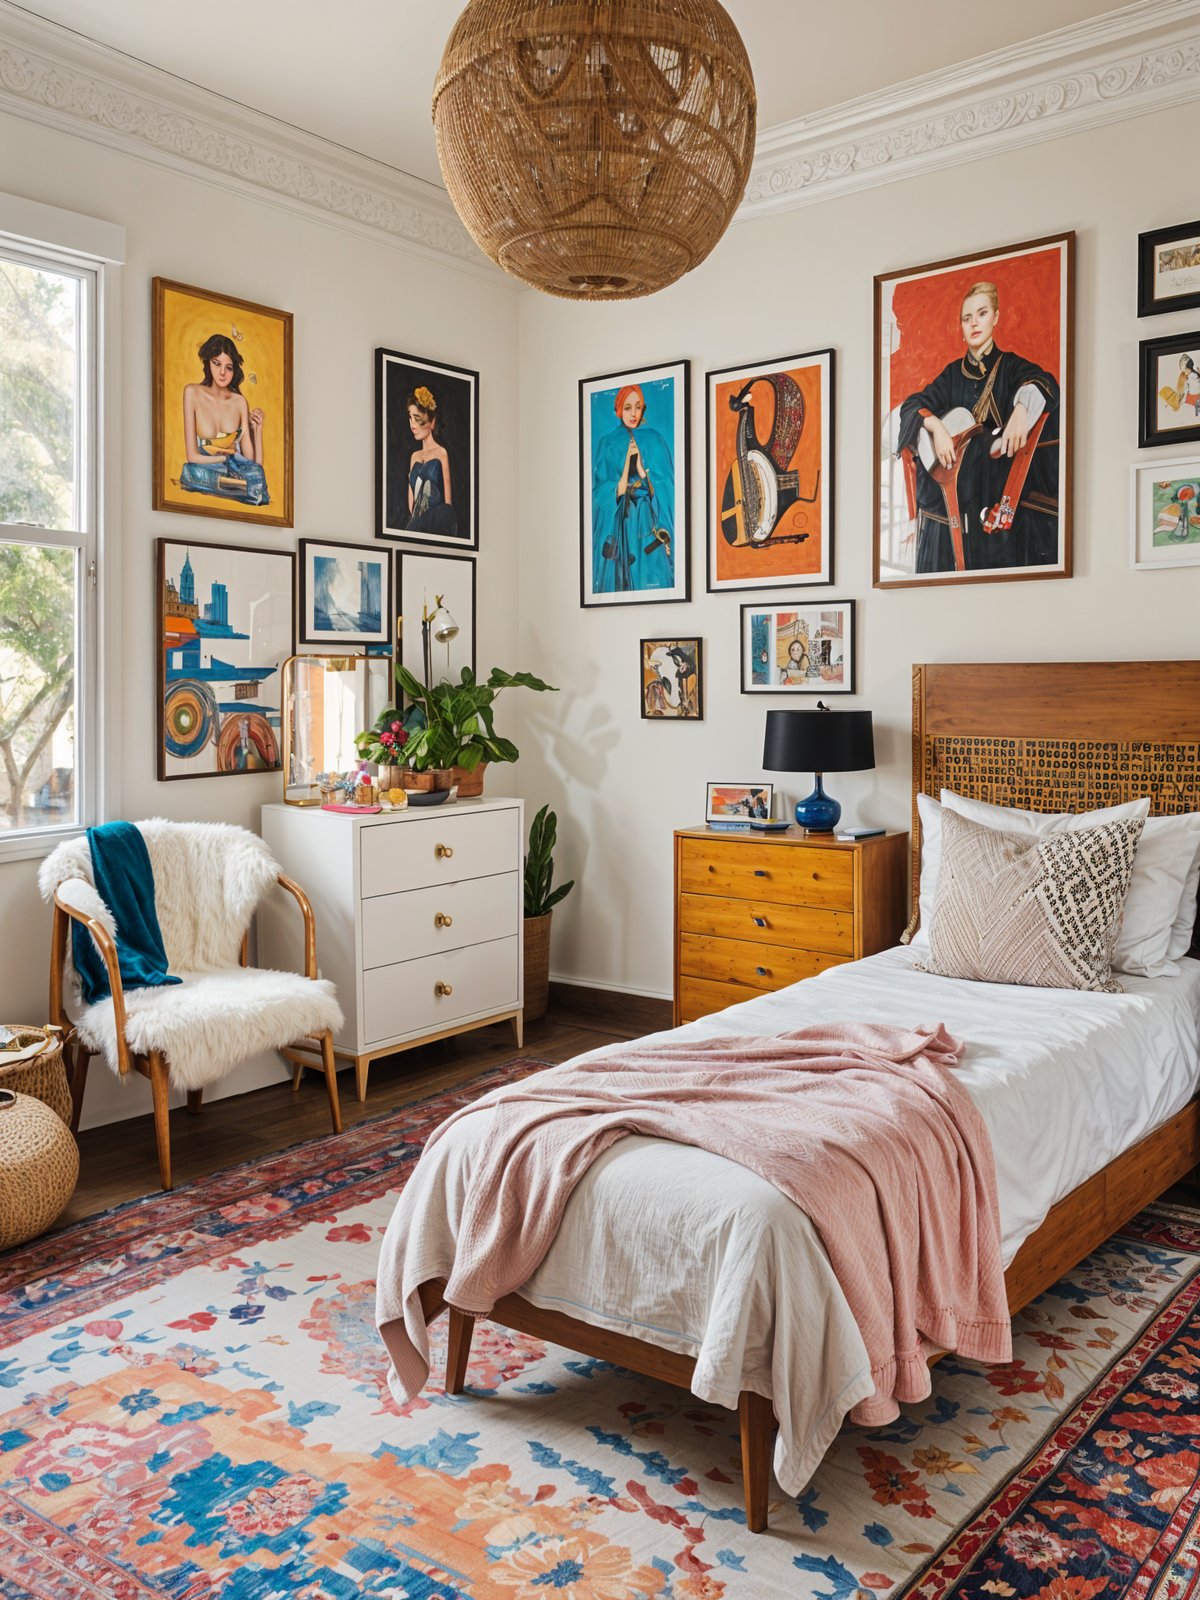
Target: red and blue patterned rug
194,1405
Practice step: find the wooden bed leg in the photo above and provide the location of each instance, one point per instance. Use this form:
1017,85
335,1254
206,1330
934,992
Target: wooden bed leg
757,1421
458,1350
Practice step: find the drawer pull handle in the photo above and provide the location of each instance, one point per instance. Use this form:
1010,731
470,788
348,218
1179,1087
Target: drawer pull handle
443,852
762,971
759,922
441,989
443,921
760,872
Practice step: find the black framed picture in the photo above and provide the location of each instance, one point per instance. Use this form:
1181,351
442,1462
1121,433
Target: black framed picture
798,649
672,680
345,593
422,580
634,534
1169,410
426,451
1169,270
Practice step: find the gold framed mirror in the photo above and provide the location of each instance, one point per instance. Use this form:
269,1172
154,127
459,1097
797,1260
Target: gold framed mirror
327,699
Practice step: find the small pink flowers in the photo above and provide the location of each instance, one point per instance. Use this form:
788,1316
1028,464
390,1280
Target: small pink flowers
388,739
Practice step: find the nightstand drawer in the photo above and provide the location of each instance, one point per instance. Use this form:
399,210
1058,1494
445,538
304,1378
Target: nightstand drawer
442,849
436,992
756,966
789,873
699,998
767,922
419,922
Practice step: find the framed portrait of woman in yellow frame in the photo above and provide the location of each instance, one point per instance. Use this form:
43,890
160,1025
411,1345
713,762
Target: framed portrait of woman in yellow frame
222,406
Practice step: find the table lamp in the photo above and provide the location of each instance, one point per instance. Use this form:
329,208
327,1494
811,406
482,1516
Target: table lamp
818,741
439,626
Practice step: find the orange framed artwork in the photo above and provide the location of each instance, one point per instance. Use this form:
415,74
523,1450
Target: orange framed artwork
222,406
973,436
770,473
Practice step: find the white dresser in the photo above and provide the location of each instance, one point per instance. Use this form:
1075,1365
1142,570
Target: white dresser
419,918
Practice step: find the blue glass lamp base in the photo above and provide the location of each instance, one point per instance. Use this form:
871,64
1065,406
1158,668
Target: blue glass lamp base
817,813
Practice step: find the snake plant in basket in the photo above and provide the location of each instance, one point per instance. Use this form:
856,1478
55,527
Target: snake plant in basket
540,899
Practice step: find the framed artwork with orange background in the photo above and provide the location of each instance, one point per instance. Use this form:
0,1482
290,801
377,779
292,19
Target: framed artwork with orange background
770,473
222,406
973,395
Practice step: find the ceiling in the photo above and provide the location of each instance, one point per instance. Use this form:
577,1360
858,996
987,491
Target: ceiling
360,73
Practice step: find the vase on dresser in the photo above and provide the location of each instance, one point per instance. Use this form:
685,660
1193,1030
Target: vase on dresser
469,784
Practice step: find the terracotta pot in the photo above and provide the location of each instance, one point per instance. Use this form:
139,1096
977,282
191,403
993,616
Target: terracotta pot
470,784
424,782
537,966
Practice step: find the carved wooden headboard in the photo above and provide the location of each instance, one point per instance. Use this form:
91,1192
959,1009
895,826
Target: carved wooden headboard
1057,736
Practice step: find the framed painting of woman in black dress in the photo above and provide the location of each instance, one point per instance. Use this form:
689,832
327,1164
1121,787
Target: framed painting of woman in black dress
973,394
426,452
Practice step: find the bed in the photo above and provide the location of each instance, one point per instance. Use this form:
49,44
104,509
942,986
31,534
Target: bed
683,1266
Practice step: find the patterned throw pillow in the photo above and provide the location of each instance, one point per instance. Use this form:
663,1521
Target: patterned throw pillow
1015,908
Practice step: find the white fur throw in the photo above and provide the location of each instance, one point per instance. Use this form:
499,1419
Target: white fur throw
208,879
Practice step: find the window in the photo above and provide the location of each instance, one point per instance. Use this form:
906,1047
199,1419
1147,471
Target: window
48,471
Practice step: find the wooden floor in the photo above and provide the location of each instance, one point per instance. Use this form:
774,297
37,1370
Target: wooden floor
118,1162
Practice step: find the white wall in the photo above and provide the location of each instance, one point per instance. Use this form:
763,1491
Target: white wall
348,294
786,284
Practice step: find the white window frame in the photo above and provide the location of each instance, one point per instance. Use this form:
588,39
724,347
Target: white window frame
93,251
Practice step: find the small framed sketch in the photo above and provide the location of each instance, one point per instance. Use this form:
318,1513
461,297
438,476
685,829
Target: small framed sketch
223,366
1169,270
426,452
1166,513
225,625
1170,390
420,579
672,682
739,802
791,649
345,593
634,537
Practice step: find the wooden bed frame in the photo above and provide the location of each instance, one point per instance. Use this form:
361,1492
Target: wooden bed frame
1062,737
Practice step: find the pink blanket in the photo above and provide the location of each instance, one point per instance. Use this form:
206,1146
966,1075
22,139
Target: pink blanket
860,1125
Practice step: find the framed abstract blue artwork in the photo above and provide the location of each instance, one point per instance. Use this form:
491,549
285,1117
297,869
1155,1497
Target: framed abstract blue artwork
633,487
225,626
344,593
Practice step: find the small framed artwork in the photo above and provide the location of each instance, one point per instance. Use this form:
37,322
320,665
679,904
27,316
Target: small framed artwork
1169,270
634,534
345,593
672,679
223,368
739,802
798,649
972,424
770,473
1166,513
1169,412
421,580
426,452
225,626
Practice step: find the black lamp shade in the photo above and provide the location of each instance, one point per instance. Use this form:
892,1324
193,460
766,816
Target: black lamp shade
818,741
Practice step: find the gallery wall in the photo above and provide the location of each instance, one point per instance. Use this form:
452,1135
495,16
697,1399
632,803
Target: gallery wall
797,282
348,294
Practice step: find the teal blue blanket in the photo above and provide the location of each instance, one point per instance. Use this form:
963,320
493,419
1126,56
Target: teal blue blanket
124,880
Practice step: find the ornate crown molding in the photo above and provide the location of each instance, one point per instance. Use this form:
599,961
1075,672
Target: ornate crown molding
1141,58
50,75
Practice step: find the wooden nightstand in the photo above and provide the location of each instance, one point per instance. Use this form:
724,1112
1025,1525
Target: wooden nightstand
755,911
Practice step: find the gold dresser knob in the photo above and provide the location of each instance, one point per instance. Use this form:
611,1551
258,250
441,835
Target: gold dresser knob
442,920
441,989
443,852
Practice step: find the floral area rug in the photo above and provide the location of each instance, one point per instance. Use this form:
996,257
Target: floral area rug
195,1404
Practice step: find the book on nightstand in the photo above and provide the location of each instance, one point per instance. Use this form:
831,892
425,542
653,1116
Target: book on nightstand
850,834
731,827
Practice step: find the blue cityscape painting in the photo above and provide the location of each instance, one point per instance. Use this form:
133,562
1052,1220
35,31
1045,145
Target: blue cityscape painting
343,590
226,625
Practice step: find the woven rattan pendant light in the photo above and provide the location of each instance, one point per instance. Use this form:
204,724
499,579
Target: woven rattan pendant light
595,149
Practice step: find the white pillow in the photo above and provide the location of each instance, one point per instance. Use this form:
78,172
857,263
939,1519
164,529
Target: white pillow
1185,922
1008,820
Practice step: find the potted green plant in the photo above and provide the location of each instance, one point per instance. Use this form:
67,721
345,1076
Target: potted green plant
451,725
540,900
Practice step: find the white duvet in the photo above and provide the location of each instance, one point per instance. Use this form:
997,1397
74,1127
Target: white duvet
700,1255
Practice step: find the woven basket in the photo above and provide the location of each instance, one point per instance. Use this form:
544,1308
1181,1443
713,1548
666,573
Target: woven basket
596,149
537,966
39,1165
43,1076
